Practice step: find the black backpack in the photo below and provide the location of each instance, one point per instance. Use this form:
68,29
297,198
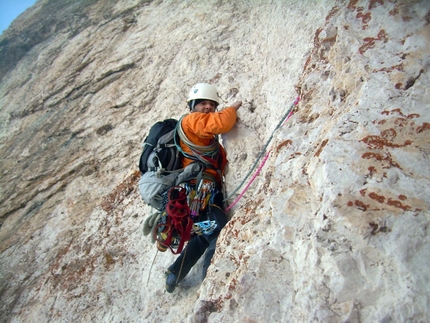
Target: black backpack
159,149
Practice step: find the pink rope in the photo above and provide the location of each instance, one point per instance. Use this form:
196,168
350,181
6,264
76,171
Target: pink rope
262,163
250,182
288,117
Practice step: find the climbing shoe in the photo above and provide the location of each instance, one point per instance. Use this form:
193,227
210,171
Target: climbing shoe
171,281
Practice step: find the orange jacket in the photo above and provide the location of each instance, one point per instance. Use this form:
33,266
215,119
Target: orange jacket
200,129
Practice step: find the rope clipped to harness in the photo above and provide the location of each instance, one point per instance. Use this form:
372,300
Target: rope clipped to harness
174,228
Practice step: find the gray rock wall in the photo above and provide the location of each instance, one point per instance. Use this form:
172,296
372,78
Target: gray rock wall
334,228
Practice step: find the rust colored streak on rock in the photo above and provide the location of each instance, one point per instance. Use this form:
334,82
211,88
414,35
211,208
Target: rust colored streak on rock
378,142
352,4
369,42
376,197
380,158
372,170
323,144
424,127
374,3
394,12
398,67
285,143
389,134
398,204
397,111
120,192
370,155
360,205
365,18
332,12
412,115
374,142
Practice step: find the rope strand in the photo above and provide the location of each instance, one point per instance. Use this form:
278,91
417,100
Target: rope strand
150,269
250,182
284,119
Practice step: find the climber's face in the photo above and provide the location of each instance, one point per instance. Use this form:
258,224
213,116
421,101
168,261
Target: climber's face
205,106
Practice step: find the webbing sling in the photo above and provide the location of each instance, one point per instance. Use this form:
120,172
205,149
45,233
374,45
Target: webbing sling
205,154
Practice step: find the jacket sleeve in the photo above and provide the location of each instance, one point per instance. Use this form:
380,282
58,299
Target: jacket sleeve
206,125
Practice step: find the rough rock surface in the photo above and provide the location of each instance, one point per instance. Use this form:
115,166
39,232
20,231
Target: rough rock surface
334,229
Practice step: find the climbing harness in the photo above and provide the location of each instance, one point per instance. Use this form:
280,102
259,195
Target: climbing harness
284,119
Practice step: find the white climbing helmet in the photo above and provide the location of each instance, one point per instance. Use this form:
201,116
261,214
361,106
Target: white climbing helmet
202,91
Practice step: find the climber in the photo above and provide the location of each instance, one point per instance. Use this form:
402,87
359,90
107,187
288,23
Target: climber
198,134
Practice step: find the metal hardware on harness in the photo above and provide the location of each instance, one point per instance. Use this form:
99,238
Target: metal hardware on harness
200,199
204,227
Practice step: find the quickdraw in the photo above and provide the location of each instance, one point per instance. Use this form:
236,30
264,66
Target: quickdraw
198,200
204,227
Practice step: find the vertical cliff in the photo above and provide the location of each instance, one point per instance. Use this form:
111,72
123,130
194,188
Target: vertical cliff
334,229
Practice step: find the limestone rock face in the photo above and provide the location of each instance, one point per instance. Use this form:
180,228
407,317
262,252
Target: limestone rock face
333,229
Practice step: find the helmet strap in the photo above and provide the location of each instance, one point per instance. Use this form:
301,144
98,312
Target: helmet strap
193,103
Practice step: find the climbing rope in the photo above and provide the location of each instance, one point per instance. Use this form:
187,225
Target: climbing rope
177,210
284,119
150,268
182,265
